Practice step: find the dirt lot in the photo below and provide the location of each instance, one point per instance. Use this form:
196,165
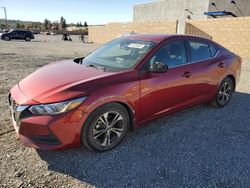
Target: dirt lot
198,147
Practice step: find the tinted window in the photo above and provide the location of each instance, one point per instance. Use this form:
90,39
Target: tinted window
173,54
22,32
199,51
213,49
13,32
119,54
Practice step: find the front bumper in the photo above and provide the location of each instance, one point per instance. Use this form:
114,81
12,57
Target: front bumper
47,132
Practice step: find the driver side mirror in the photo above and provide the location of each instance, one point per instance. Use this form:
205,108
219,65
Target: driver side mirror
158,67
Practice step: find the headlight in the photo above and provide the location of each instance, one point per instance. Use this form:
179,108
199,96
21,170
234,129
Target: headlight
56,108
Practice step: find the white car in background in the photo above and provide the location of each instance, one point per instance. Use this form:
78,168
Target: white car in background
53,33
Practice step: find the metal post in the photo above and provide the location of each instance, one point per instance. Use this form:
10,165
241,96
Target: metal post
5,13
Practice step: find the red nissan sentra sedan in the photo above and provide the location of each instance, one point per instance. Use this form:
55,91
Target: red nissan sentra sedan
95,100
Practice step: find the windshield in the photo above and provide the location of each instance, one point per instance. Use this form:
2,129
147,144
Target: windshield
120,54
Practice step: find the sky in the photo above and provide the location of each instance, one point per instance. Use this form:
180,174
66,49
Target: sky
92,11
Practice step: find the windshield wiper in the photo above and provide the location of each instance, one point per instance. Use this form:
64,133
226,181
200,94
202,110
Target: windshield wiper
96,66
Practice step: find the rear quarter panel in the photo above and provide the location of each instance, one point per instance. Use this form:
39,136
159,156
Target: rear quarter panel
232,66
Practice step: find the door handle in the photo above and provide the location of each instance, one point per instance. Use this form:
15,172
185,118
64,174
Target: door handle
187,74
221,65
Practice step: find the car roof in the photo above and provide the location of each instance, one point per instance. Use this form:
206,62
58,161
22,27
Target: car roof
19,30
159,37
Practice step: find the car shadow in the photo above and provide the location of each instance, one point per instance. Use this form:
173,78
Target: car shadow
200,146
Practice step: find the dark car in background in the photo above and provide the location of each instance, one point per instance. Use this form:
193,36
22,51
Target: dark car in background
18,35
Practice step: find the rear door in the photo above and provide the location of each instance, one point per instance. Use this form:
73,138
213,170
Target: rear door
164,92
22,34
207,67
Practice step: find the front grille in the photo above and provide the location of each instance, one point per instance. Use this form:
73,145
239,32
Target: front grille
13,104
17,111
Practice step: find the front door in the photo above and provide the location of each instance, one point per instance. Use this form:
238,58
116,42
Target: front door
164,92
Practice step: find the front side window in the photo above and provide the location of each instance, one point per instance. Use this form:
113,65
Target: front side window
120,54
199,51
13,32
172,54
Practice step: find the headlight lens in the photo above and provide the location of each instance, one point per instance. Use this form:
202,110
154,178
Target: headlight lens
56,108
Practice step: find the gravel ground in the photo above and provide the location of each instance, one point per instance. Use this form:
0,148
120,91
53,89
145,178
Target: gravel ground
197,147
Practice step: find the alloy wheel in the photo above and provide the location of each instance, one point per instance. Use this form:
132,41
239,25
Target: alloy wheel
7,38
225,93
108,128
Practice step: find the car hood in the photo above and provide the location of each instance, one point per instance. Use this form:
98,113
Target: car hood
58,81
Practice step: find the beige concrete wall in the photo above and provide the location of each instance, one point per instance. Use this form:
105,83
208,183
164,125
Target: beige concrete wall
175,9
233,33
192,30
170,10
102,34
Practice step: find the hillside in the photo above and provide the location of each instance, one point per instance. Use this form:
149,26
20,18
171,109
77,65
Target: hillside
12,23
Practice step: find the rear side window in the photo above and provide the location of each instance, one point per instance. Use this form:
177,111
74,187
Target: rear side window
199,51
213,49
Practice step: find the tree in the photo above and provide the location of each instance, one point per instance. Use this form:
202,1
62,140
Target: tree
36,25
79,24
62,23
49,25
18,26
22,26
55,25
28,25
45,23
85,24
2,26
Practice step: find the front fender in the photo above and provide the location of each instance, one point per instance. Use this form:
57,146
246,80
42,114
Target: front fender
89,107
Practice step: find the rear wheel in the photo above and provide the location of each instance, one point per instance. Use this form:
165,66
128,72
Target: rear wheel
27,39
6,38
105,127
224,93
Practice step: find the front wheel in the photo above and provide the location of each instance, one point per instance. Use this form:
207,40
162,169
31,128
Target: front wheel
7,38
224,93
105,127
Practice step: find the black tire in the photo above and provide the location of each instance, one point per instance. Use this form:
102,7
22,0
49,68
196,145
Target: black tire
7,38
94,125
224,93
28,39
